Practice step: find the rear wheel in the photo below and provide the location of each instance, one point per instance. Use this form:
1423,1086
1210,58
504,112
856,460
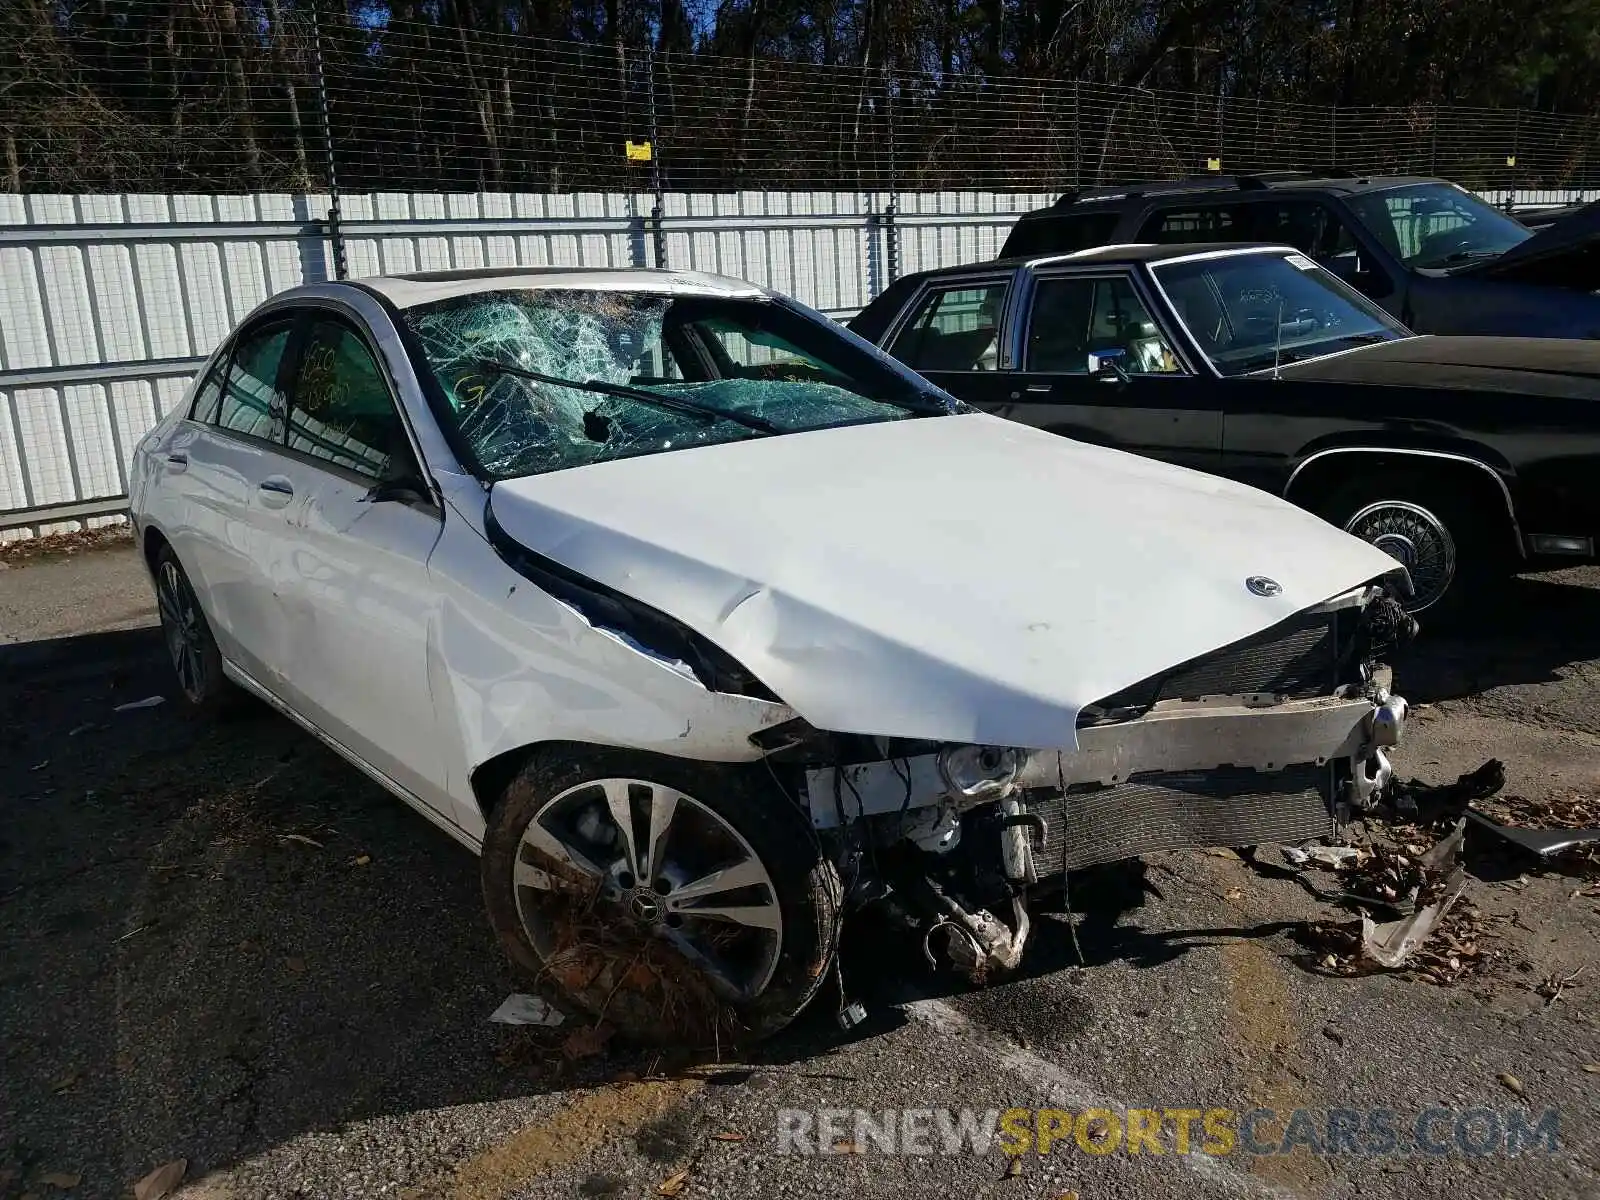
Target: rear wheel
678,901
196,661
1442,534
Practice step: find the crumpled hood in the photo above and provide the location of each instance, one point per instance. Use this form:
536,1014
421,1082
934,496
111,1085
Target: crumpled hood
956,578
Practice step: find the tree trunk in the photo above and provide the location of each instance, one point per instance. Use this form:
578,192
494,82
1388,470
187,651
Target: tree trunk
291,97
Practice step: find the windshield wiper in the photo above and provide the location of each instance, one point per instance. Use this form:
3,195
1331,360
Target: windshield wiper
1461,256
623,392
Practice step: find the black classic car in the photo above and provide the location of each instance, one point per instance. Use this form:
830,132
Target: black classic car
1429,252
1460,456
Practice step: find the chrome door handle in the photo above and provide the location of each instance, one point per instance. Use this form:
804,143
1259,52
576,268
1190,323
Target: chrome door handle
177,461
276,491
1036,388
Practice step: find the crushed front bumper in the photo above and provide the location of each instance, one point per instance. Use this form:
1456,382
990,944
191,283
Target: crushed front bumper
1221,771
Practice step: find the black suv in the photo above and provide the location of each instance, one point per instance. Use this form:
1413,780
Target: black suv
1430,252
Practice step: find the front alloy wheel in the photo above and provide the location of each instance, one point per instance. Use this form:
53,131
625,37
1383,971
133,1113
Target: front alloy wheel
677,901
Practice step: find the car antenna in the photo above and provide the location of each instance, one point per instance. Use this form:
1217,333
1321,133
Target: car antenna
1277,340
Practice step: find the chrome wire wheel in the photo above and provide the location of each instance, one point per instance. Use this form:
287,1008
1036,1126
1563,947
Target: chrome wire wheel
184,628
1414,537
633,863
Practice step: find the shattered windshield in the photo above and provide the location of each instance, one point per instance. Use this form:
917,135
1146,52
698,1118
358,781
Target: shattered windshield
1437,224
1248,311
541,379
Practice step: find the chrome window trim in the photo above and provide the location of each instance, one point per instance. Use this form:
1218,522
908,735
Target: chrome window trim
1006,277
1165,317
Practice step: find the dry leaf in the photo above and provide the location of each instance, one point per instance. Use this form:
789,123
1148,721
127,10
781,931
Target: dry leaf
61,1180
1013,1168
849,1147
1512,1083
727,1137
161,1181
1592,1068
586,1041
295,963
361,860
674,1184
65,1082
301,838
1230,894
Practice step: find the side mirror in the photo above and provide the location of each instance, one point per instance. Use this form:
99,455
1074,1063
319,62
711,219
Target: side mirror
404,487
1106,365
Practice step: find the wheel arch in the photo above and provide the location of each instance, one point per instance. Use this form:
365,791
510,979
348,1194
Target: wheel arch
151,542
490,778
1319,472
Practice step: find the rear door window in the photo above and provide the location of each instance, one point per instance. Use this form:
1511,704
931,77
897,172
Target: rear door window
1307,225
252,400
1062,234
1180,226
954,329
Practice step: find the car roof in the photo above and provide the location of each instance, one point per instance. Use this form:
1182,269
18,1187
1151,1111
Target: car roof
1115,255
425,287
1079,199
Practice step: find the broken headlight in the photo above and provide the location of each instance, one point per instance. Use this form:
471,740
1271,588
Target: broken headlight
979,772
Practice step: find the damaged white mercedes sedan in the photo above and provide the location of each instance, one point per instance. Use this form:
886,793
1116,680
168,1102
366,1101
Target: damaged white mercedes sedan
708,625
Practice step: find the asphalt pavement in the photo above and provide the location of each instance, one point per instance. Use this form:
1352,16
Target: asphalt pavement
220,944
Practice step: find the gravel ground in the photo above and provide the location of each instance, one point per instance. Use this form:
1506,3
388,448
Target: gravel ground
221,944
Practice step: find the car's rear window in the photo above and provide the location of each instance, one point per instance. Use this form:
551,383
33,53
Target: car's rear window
1061,233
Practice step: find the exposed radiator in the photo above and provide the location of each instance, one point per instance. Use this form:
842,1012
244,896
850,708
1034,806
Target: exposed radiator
1226,806
1298,658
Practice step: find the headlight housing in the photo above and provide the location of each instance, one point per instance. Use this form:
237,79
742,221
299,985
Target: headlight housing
979,772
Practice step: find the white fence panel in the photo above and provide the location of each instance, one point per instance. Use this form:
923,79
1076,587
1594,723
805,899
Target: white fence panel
109,303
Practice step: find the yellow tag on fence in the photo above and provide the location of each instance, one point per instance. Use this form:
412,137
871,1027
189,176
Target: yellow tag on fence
1511,160
637,151
1213,164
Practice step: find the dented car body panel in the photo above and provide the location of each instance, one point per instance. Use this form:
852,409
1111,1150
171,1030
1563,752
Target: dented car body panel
963,579
955,621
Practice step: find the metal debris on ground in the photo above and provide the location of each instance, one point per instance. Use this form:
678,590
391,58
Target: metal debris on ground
1564,828
1438,936
1559,827
519,1008
1322,856
1414,802
135,705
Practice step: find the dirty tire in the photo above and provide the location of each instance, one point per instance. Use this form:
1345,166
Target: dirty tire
1422,514
191,648
805,886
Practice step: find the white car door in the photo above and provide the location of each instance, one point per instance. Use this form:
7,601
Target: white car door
348,562
223,466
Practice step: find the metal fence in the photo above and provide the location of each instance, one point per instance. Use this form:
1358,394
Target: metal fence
109,302
166,98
